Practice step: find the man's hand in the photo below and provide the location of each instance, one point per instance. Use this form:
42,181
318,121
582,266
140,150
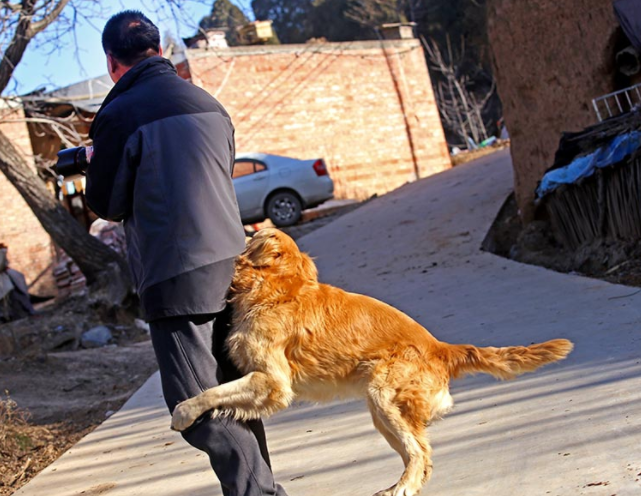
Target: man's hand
89,153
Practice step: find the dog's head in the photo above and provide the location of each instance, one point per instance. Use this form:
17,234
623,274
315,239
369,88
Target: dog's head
271,252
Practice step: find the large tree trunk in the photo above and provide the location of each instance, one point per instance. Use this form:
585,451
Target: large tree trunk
551,58
99,263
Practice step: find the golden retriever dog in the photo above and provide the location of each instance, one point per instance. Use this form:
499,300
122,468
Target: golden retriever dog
294,337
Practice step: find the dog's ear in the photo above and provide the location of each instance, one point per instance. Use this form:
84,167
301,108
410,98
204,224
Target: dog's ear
308,267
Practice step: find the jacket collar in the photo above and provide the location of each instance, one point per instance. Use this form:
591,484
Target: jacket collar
149,67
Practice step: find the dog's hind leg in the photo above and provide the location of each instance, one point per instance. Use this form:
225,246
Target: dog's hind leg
250,397
391,439
404,427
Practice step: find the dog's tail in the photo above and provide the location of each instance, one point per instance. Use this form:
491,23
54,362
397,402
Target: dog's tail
504,363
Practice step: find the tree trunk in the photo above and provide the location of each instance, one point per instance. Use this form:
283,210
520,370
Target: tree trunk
97,261
14,52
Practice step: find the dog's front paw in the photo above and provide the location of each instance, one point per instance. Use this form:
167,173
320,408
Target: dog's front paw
385,492
185,414
397,490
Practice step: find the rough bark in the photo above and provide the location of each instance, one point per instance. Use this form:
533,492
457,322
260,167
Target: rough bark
551,59
97,261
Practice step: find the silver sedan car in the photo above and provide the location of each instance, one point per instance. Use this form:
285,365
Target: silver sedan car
279,188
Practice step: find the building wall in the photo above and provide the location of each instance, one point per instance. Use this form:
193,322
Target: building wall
367,108
551,59
30,248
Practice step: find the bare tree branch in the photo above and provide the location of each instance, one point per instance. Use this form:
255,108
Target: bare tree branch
373,13
460,107
62,128
42,24
13,7
23,33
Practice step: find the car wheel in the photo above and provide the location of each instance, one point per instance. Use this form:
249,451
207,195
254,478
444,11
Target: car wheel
284,209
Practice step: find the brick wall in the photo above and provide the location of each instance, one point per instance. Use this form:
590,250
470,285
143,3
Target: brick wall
367,108
30,247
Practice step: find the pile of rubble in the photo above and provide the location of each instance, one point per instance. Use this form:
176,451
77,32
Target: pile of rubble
69,279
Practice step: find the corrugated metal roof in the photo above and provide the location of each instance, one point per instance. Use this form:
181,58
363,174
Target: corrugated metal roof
87,95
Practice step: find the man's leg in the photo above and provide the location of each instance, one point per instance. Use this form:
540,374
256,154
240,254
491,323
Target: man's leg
184,348
229,372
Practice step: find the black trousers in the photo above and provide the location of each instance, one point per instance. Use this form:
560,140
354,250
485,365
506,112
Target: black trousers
191,358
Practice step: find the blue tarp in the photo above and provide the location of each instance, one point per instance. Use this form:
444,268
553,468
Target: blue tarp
580,168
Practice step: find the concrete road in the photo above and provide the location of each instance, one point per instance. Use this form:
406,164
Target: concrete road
573,428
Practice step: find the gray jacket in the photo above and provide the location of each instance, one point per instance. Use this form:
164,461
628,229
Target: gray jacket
162,164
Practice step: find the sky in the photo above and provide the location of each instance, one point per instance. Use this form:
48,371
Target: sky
42,68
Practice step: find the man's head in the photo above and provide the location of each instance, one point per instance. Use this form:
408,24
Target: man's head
128,38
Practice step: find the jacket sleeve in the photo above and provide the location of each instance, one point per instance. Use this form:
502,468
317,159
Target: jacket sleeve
112,171
232,151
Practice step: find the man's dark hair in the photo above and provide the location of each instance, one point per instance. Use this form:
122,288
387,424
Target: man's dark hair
130,37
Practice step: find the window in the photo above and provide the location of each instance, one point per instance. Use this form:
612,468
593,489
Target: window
245,167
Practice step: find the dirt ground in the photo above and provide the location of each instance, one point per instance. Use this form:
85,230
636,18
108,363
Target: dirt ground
467,156
58,398
610,260
53,392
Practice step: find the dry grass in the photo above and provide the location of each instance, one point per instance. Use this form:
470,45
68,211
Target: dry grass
465,157
26,449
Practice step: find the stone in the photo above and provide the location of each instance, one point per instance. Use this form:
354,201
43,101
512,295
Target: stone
60,337
96,337
142,325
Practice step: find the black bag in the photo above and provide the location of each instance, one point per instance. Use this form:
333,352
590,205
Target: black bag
629,14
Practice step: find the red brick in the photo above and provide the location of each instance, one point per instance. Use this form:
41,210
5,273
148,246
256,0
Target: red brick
338,102
30,247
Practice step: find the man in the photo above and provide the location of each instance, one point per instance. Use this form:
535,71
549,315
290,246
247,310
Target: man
162,160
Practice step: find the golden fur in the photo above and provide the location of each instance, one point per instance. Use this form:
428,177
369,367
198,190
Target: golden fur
294,337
